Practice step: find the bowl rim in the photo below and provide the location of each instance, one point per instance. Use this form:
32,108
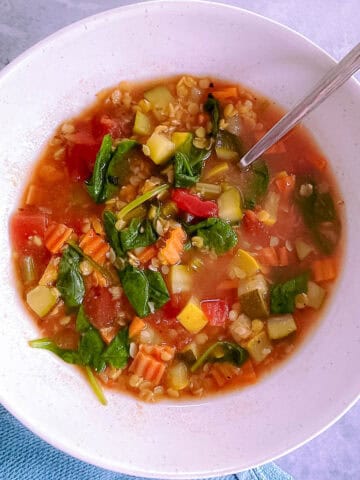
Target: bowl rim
47,41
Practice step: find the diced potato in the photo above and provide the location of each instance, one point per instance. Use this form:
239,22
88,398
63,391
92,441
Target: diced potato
246,262
259,347
178,376
315,295
253,296
42,299
229,204
142,124
281,326
161,148
180,138
240,328
192,317
159,97
303,249
180,279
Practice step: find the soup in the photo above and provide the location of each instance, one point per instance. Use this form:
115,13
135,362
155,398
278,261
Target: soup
151,260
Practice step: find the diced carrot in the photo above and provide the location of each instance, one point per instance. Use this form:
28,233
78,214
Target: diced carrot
248,373
225,93
286,184
228,284
136,326
147,254
324,270
278,147
94,246
318,161
147,367
268,257
56,235
283,255
223,373
174,247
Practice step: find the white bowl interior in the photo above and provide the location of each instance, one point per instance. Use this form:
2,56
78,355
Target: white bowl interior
53,81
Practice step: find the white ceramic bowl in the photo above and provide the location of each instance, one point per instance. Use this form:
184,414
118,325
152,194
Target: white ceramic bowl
53,81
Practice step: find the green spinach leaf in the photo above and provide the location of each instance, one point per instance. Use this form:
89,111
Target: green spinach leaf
257,182
319,214
70,282
112,234
92,351
212,106
188,167
69,356
136,288
82,322
217,234
222,352
158,292
282,295
140,233
110,169
91,347
95,186
119,168
143,287
117,353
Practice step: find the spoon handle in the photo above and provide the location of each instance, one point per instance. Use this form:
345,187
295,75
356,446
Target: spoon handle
327,85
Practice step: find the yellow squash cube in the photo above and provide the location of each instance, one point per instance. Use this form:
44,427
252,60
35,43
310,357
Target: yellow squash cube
192,317
161,148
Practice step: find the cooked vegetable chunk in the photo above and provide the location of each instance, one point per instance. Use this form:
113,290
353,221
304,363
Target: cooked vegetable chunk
280,327
259,347
192,317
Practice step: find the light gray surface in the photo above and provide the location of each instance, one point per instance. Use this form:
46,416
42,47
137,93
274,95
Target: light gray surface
333,25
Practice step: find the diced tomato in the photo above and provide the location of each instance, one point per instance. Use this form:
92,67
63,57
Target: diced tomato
216,311
117,127
80,160
24,224
100,307
187,202
174,306
251,223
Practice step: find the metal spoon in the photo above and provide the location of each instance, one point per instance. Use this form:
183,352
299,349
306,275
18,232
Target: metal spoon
327,85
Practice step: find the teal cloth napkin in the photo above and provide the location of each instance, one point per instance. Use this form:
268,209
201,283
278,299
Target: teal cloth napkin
24,456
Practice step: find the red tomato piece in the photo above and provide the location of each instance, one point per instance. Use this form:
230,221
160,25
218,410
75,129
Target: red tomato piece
100,307
251,223
117,127
216,311
188,202
174,306
80,160
25,224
